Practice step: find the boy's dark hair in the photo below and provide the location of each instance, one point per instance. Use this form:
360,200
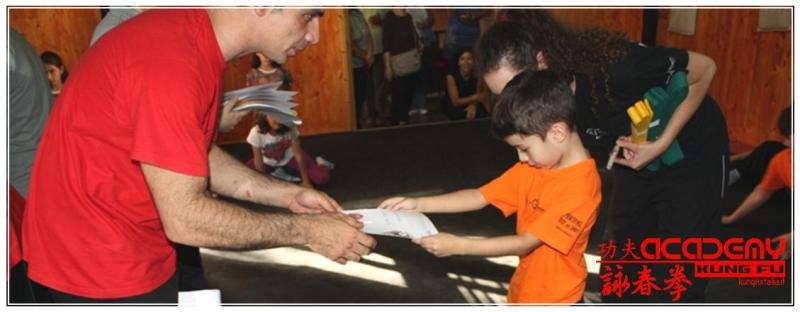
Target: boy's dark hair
785,122
264,127
531,103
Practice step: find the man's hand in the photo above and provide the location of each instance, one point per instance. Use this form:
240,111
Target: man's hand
442,244
401,203
228,118
312,201
338,237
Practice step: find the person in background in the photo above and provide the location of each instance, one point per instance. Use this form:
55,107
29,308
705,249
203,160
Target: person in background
277,151
777,176
362,59
56,71
462,99
399,36
265,71
377,101
423,23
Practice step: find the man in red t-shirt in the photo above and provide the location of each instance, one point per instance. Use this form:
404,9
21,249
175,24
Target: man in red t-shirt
127,155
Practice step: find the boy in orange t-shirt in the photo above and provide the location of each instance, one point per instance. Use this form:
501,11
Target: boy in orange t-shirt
554,190
777,177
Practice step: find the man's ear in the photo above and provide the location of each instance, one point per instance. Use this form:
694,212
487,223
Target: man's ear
558,132
541,61
261,11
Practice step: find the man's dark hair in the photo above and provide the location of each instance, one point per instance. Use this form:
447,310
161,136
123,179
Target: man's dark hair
531,103
785,122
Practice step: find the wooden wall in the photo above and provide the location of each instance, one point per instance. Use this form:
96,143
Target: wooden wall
321,74
752,85
628,21
64,31
754,79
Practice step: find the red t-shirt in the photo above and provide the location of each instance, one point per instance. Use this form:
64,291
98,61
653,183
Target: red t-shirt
16,208
147,92
779,172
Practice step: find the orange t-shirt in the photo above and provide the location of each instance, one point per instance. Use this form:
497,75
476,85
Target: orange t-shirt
559,207
779,172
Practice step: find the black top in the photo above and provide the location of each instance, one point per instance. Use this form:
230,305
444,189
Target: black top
629,79
399,34
466,87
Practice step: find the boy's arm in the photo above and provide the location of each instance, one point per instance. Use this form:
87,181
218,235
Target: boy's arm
458,201
756,198
445,244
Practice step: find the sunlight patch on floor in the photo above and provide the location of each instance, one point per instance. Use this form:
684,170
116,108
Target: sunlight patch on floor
291,256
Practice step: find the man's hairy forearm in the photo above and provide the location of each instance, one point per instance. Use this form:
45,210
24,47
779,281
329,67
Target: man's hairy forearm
192,218
211,223
229,177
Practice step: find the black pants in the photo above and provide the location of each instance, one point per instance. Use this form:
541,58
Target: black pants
360,85
20,289
681,201
188,276
190,268
755,164
166,293
402,89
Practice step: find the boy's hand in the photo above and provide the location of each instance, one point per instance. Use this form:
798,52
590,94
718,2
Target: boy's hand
401,203
442,244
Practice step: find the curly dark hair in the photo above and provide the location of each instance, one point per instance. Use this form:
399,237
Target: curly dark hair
568,52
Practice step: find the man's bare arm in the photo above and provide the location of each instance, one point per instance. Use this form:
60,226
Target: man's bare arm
189,217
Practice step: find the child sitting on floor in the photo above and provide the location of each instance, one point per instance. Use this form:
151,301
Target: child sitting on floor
554,190
276,148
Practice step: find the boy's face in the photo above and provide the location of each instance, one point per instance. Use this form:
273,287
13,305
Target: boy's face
536,152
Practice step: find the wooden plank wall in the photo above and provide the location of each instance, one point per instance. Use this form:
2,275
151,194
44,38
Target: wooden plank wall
321,74
754,79
64,31
628,21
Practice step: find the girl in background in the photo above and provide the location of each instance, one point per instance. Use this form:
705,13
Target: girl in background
277,151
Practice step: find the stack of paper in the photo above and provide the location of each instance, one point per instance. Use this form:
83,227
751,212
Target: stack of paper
267,98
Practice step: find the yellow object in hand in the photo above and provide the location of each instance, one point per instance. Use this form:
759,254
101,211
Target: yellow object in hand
641,114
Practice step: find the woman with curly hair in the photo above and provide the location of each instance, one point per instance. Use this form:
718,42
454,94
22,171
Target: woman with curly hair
608,74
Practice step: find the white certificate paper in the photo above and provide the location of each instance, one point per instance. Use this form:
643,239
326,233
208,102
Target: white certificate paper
403,224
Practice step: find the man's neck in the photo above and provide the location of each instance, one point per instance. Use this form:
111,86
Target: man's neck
230,31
